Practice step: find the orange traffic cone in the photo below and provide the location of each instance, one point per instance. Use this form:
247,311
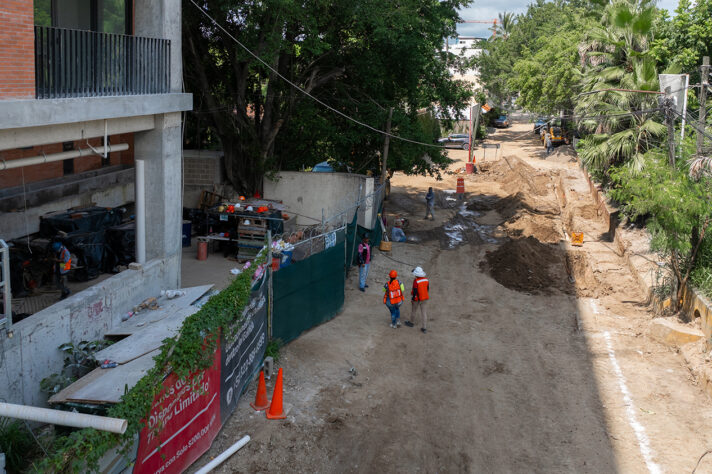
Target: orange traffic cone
276,411
261,401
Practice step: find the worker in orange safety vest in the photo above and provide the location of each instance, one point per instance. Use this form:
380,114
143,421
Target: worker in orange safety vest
63,263
419,298
393,297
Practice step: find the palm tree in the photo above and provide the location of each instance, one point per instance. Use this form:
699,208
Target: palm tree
503,26
615,57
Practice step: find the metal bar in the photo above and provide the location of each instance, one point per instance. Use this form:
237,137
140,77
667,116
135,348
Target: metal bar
7,293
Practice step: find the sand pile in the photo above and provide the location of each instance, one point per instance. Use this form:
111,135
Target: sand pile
542,228
562,154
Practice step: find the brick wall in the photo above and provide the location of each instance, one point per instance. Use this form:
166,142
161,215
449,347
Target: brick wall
203,169
52,170
17,49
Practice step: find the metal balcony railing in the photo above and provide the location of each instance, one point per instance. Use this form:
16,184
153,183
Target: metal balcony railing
75,63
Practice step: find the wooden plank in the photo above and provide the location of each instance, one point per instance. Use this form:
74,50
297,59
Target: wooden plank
146,340
106,385
145,318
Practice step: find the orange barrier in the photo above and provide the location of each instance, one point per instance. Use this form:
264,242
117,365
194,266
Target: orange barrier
460,186
261,402
276,410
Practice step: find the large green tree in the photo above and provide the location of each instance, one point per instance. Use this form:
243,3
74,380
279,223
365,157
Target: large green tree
536,61
686,38
361,57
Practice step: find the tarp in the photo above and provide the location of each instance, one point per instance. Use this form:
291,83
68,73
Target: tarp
90,219
187,414
309,292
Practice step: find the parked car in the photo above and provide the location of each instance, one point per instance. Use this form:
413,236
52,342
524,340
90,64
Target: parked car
540,122
456,140
501,122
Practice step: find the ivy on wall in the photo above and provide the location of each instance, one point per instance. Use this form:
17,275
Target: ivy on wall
190,351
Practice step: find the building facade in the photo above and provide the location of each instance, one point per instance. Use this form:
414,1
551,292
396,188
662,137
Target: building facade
88,88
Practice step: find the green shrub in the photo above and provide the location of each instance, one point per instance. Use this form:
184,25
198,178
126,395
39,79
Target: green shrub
17,444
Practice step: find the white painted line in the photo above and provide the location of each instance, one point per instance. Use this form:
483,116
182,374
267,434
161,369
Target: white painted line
639,430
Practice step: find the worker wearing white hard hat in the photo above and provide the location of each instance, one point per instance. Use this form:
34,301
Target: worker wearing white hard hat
420,294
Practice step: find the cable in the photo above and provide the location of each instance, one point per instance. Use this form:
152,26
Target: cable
397,261
336,111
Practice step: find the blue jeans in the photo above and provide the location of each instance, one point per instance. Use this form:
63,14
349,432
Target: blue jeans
395,312
363,274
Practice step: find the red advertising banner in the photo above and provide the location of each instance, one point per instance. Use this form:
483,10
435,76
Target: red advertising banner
184,420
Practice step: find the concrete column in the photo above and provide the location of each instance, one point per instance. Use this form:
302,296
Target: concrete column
161,150
162,19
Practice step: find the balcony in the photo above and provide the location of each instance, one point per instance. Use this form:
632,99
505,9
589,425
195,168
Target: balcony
76,63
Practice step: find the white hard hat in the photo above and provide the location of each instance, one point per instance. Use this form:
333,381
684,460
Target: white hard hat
249,209
418,272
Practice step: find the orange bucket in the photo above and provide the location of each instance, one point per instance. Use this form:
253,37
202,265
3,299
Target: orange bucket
202,249
460,186
469,169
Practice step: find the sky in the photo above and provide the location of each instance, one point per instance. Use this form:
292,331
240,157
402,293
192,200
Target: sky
487,10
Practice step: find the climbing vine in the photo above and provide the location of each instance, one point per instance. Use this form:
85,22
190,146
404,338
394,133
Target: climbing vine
190,351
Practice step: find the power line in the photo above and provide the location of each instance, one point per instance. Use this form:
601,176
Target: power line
336,111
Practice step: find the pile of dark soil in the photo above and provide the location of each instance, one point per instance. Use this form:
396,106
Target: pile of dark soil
529,266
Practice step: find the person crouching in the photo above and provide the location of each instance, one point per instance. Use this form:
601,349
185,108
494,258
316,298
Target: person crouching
393,297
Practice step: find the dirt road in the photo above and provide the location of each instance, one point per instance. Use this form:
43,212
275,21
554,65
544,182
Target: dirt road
536,357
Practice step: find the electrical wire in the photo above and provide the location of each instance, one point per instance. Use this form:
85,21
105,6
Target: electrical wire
297,87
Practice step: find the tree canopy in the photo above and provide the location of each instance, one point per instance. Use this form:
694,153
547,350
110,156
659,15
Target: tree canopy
361,57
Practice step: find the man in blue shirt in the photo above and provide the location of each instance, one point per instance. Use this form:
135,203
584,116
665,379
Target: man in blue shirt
430,204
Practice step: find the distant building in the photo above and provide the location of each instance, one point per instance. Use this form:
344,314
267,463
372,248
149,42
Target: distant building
467,47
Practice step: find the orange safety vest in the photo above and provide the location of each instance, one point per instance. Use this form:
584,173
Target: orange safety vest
68,264
420,289
393,292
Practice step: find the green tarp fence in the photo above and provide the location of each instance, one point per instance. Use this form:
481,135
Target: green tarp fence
311,291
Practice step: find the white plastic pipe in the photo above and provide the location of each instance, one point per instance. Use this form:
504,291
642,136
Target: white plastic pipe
64,418
226,454
140,190
65,155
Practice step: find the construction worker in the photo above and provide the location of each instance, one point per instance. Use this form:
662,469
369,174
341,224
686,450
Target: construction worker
547,142
419,299
397,234
63,263
429,204
364,262
393,297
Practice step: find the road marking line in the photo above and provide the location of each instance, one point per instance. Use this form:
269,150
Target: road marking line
643,441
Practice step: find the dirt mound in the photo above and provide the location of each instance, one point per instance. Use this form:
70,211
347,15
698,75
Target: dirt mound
528,265
542,228
521,177
562,154
515,203
483,203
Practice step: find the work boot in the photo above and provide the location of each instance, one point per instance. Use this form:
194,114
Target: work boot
409,324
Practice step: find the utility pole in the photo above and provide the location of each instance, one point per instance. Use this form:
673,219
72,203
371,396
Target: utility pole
384,164
669,105
478,109
705,74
